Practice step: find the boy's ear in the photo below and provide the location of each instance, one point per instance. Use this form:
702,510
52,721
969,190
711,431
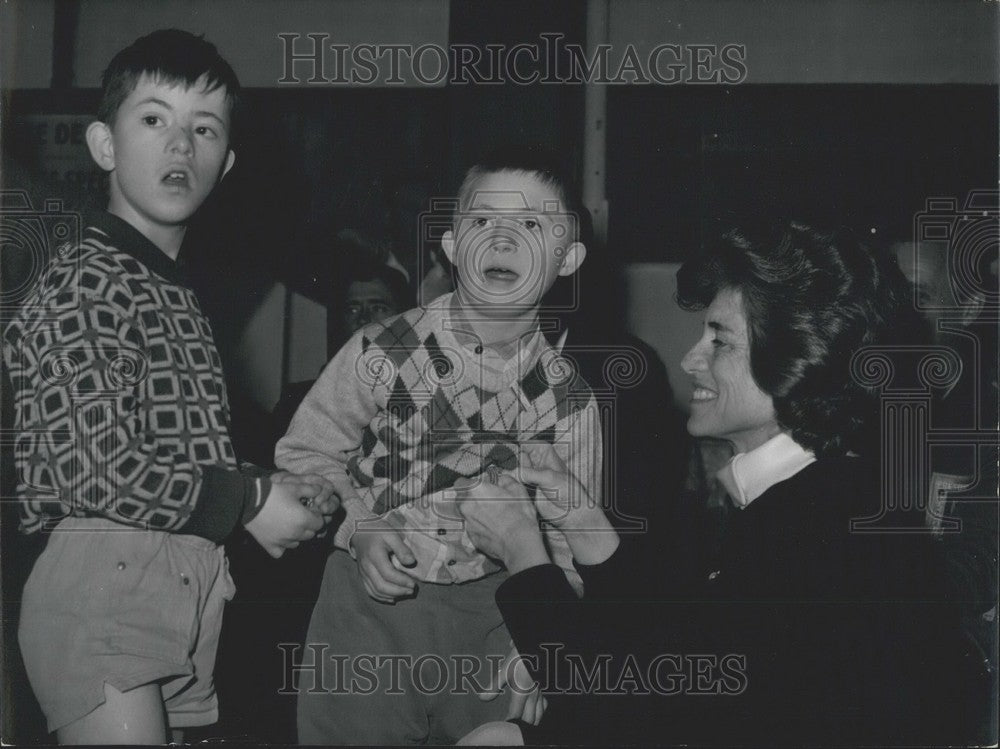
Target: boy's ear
448,245
573,259
230,160
102,148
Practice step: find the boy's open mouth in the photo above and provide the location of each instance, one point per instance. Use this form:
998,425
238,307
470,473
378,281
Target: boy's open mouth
495,273
175,177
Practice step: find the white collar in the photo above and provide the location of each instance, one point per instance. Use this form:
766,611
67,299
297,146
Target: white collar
748,475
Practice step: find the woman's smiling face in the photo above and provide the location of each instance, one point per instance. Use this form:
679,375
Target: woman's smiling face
726,402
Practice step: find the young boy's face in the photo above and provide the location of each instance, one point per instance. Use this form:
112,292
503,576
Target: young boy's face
166,151
513,237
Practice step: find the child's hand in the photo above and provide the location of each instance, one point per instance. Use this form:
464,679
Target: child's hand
316,492
283,521
375,543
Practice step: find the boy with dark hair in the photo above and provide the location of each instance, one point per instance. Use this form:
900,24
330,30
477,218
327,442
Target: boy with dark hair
411,409
123,451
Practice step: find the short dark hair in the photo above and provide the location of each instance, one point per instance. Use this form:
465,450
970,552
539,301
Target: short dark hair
168,55
394,280
811,300
538,161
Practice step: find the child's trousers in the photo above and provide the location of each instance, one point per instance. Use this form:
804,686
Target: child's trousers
374,674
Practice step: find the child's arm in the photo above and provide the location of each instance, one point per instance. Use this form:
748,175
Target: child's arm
325,431
327,427
87,419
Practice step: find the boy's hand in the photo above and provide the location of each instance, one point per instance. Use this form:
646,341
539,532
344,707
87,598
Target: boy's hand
375,543
316,492
283,521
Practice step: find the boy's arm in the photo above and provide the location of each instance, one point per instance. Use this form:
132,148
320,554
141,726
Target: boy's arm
582,451
328,425
87,433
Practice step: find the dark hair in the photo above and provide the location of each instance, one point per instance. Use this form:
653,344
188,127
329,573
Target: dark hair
537,161
171,56
394,280
811,301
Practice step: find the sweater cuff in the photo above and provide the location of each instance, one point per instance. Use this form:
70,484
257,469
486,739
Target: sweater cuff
355,511
223,499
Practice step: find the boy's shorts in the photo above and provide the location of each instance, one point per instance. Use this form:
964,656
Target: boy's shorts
110,604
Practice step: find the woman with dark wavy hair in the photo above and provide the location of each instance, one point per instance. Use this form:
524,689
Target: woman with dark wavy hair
802,632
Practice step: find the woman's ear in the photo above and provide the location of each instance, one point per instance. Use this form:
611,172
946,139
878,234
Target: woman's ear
101,145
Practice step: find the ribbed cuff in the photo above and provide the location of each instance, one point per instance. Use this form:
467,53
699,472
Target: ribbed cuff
222,501
355,511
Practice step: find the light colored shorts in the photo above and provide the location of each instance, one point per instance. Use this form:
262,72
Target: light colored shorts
110,604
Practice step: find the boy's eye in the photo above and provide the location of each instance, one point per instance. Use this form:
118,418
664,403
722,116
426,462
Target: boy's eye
717,343
205,130
480,221
530,223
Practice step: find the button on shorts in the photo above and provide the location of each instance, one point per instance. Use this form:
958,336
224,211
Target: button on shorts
106,603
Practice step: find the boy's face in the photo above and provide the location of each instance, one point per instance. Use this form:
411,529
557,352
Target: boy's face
166,151
512,238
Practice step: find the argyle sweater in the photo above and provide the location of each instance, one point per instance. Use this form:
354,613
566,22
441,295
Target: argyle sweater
119,398
407,407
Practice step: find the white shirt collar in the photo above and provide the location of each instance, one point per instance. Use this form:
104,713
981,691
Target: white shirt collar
748,475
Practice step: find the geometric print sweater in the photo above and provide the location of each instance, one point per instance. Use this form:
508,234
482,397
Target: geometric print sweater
410,405
120,405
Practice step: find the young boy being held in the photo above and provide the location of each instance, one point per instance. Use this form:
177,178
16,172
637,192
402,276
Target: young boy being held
123,449
439,395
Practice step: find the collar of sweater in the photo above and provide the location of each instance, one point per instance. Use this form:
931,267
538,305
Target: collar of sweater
126,238
520,351
750,474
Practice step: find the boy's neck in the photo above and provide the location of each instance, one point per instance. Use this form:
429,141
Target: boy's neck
167,239
493,330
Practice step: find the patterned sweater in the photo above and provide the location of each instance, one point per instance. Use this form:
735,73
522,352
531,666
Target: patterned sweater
120,403
411,405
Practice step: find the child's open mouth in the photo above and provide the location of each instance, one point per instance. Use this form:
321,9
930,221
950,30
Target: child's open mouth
176,178
500,274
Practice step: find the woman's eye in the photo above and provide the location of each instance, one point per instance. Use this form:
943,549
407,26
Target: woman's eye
205,130
151,120
530,223
481,221
717,343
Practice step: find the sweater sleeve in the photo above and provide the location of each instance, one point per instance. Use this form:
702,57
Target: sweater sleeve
327,429
84,436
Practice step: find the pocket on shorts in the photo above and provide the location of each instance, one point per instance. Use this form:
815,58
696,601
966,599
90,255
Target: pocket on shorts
153,604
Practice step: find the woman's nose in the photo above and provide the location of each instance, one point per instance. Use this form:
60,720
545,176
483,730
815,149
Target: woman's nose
693,360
